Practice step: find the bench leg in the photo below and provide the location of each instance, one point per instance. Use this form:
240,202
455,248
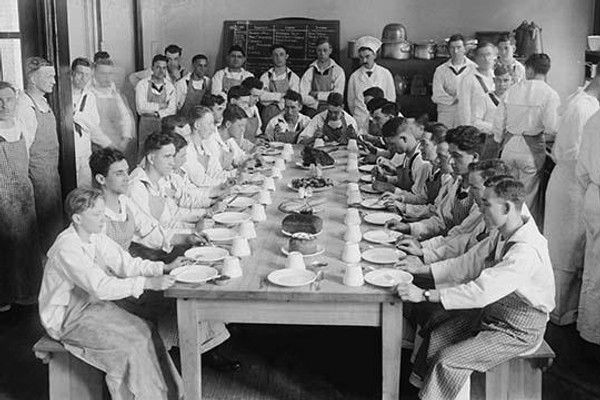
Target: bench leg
518,379
72,379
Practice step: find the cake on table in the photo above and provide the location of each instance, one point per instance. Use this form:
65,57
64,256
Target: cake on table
302,222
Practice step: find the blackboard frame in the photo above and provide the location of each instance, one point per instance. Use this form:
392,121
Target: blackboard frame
265,34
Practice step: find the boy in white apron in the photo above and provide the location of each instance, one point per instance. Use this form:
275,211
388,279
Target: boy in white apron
507,277
192,88
332,125
286,126
232,75
84,273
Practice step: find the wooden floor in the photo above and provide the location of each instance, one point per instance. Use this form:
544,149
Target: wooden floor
281,363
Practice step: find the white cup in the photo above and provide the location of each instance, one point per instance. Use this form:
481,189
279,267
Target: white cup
240,247
264,197
354,198
319,142
295,260
353,156
287,156
352,217
232,267
258,213
352,165
269,183
353,234
276,173
351,253
352,146
354,275
288,148
352,187
247,230
280,163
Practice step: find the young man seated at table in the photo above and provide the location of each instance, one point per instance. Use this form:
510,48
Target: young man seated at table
231,133
86,271
254,123
374,92
465,144
381,111
406,173
287,125
434,149
276,82
232,75
217,105
508,278
332,125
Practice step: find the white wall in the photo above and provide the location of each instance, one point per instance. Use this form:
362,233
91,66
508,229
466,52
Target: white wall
197,25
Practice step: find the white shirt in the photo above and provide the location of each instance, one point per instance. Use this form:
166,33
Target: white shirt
181,87
446,80
588,165
25,113
578,109
338,83
181,189
217,79
420,172
465,282
284,126
85,115
111,93
269,96
143,106
475,107
360,81
527,108
148,231
101,268
318,121
200,174
517,71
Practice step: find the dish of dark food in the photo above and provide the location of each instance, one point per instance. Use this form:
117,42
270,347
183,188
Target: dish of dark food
312,181
310,155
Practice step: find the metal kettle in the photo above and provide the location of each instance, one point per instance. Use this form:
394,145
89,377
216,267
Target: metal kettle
528,39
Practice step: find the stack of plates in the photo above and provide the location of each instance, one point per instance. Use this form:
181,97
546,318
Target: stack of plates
194,273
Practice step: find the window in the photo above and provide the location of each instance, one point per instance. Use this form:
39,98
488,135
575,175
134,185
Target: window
10,44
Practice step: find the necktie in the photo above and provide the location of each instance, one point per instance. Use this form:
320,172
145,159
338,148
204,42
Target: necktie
460,71
369,73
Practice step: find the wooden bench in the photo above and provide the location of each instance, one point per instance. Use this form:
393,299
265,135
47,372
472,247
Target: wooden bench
69,377
517,379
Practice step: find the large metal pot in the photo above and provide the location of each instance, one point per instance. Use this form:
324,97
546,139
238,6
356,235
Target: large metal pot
424,51
399,51
352,50
393,33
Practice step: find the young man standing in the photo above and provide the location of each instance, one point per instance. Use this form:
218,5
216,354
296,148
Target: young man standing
447,78
527,114
323,77
232,75
506,51
368,75
174,68
507,276
286,126
154,99
192,88
276,82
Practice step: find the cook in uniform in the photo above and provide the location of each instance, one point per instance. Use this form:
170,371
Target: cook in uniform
232,75
526,114
194,86
85,119
447,78
322,77
154,99
21,271
276,82
564,226
370,74
41,138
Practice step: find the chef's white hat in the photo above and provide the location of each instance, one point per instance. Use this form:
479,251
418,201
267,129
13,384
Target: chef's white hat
369,42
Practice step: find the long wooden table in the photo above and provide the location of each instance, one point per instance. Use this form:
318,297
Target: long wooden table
251,299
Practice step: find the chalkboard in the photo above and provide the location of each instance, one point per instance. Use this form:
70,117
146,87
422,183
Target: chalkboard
298,35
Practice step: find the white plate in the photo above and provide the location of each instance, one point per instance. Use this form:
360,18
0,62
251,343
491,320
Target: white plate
291,234
387,277
289,277
269,159
373,204
366,168
194,273
320,189
320,250
383,255
380,218
231,218
381,236
207,253
248,189
220,234
366,178
242,202
368,188
300,165
276,145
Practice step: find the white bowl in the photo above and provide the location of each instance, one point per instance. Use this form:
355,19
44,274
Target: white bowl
594,43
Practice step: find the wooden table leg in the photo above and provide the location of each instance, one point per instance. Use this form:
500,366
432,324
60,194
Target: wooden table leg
391,331
189,345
